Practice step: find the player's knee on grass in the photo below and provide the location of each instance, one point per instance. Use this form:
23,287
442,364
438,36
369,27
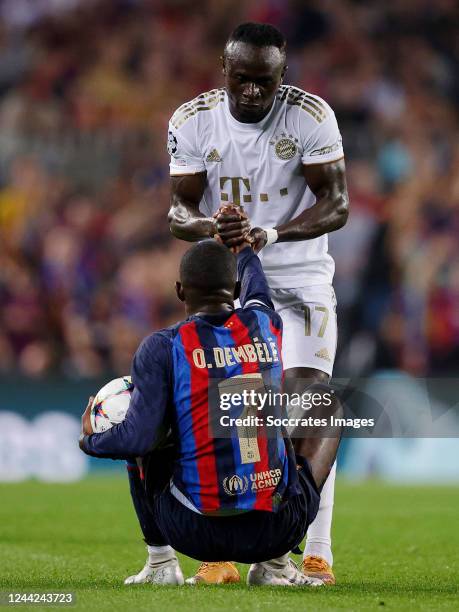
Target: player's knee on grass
318,438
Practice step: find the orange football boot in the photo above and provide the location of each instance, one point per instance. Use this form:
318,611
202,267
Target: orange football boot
316,567
216,572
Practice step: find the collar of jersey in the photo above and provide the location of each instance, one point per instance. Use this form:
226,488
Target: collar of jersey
214,318
248,127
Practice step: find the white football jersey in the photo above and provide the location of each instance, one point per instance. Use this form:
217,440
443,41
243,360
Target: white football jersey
259,165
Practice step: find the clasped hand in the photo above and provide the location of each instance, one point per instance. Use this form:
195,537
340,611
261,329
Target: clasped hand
234,231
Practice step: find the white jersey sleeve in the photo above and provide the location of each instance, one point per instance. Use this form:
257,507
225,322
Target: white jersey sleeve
324,143
186,158
188,129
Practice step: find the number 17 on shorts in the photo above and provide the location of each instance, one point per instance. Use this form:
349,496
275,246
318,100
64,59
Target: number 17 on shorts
310,329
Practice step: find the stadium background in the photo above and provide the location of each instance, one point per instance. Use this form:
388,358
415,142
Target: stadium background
87,262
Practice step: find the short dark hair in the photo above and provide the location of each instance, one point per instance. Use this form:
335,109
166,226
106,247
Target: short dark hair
208,266
259,35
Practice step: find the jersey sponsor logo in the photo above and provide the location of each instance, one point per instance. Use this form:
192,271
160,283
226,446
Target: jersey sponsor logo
238,184
327,150
235,485
265,480
285,146
259,481
171,143
214,156
323,354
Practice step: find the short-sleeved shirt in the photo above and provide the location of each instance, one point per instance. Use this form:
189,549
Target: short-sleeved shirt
259,166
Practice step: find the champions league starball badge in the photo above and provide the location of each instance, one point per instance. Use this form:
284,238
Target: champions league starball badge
171,143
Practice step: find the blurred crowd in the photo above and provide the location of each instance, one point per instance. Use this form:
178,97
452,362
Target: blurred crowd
87,262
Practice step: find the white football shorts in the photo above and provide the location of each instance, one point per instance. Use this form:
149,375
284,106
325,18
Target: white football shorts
310,329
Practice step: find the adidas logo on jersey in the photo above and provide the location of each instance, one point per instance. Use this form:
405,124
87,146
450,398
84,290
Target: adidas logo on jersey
214,156
323,354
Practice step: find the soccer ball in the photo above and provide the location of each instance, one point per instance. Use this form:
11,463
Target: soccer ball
110,405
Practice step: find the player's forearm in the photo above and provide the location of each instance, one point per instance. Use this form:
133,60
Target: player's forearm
122,441
185,219
254,286
327,215
111,445
93,446
138,433
188,224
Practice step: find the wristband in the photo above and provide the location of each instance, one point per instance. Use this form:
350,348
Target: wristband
271,235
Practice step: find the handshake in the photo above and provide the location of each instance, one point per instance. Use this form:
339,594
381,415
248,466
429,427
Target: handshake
234,231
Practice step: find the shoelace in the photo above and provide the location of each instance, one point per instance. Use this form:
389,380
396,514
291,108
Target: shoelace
206,566
292,563
299,577
315,564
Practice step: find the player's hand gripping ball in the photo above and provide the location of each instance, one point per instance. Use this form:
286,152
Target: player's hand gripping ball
111,403
233,226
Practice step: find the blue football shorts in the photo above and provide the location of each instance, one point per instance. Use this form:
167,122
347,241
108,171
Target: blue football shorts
250,537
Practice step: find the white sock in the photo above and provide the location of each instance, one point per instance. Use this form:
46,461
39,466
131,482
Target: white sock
277,564
159,554
318,540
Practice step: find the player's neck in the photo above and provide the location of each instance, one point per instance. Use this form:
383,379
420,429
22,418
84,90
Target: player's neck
241,118
209,309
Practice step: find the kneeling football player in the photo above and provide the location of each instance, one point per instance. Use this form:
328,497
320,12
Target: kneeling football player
228,482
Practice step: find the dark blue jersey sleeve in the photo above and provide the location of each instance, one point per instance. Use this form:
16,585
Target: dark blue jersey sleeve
254,286
146,419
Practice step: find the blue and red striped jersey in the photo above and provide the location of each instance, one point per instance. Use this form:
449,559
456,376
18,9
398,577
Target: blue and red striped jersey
181,374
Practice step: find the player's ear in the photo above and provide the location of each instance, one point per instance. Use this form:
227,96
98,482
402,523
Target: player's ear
237,290
284,72
223,63
179,291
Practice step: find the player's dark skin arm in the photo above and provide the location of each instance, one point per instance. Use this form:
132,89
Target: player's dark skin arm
330,212
188,223
185,220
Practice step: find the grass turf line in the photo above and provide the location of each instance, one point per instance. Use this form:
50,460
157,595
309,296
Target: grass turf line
395,547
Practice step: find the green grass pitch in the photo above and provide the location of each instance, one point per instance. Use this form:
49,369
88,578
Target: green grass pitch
395,548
